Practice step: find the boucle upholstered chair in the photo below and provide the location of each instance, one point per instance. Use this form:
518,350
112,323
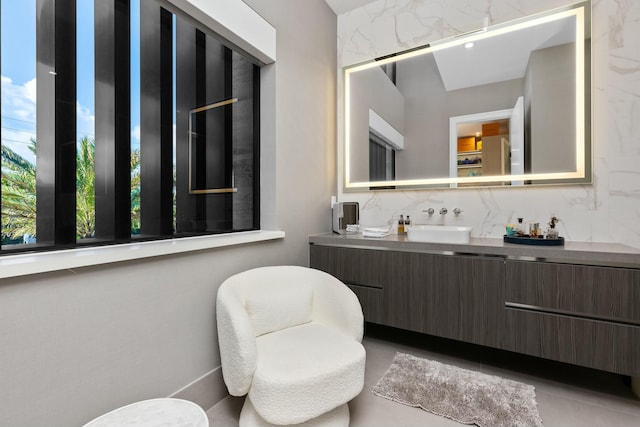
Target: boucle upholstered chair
290,340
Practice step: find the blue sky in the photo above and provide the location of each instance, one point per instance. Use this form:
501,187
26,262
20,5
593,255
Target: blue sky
18,70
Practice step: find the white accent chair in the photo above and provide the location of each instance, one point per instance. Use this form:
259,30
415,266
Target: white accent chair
290,339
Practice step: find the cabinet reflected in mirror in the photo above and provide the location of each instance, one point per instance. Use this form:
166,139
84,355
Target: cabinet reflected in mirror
488,144
526,82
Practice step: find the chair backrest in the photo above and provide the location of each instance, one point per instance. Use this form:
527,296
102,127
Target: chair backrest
274,299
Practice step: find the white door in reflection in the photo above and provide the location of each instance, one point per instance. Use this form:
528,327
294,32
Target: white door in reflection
516,137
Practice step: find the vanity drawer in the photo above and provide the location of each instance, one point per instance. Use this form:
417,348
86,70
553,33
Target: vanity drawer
587,292
594,344
371,300
365,272
362,267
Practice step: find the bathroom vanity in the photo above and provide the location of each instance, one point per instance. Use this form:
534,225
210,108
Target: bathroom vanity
578,304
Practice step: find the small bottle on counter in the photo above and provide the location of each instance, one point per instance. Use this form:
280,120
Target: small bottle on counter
520,231
407,223
401,225
534,230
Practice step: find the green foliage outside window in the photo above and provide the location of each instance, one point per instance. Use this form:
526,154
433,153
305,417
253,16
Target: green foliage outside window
19,192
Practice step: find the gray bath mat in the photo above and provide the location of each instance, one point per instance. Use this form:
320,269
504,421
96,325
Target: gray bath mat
464,396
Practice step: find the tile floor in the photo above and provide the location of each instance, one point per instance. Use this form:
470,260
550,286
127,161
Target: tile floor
567,395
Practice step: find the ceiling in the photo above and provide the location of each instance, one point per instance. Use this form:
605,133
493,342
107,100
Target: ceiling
343,6
501,58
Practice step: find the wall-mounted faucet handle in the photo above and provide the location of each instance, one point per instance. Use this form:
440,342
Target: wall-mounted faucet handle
429,211
457,211
443,211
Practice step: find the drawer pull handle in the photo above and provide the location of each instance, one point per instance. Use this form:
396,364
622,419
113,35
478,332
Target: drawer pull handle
566,313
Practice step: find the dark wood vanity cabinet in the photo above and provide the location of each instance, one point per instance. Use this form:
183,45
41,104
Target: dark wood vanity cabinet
583,315
454,297
580,314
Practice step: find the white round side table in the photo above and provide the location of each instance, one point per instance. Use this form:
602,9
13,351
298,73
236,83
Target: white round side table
153,413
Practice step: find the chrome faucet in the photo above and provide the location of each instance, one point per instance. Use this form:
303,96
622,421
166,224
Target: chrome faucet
443,211
457,211
429,211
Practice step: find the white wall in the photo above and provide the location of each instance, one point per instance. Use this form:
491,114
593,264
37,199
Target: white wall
75,344
606,211
386,101
552,99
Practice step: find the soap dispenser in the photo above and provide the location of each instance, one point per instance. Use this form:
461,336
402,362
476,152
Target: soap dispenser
401,225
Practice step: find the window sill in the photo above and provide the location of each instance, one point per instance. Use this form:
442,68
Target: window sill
42,262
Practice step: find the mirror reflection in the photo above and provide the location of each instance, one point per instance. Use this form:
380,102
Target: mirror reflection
503,105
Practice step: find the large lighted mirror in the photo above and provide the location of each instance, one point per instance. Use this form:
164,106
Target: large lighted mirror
507,105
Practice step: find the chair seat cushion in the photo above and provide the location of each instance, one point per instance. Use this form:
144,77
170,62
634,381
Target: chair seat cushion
305,371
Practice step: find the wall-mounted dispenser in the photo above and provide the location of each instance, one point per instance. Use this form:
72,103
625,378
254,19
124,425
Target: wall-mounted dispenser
345,213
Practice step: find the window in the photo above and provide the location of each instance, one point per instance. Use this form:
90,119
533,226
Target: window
18,112
382,161
135,124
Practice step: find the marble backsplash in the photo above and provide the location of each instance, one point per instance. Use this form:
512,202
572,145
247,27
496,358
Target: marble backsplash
608,210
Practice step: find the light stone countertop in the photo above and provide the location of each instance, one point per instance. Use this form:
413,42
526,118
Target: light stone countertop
586,253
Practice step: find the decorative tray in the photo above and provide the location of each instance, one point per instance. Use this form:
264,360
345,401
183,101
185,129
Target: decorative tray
526,240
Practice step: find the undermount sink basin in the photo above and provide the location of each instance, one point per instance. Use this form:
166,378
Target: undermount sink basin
439,234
